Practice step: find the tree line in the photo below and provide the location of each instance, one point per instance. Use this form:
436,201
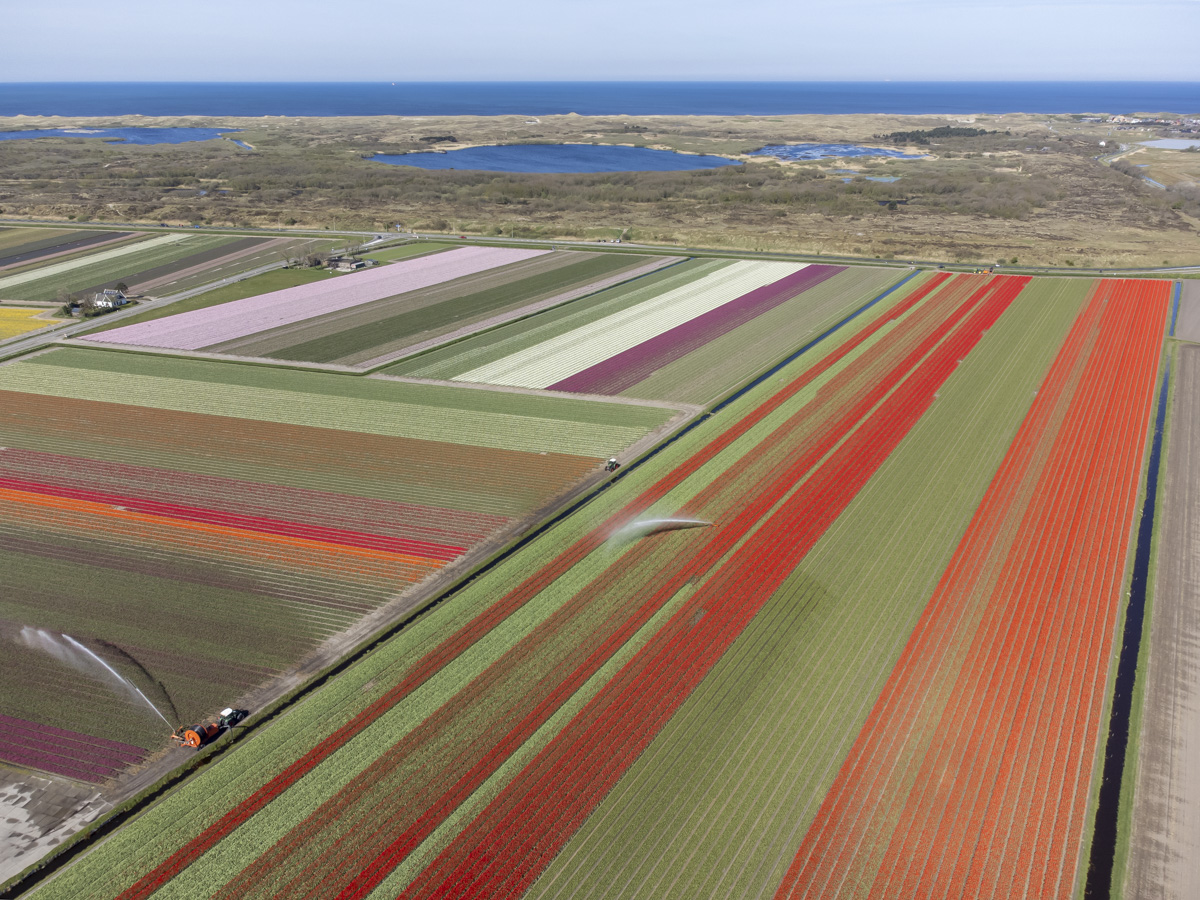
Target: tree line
923,137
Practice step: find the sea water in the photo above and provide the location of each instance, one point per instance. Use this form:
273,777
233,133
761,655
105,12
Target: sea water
633,98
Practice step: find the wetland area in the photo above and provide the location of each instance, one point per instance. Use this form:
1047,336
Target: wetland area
1037,188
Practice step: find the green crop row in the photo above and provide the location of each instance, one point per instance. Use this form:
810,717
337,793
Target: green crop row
404,414
14,241
739,772
408,251
31,238
32,268
377,390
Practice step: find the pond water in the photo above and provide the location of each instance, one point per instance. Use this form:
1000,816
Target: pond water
557,158
1172,144
124,135
828,151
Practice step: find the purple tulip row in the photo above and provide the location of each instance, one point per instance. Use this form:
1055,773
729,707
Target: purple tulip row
620,372
63,752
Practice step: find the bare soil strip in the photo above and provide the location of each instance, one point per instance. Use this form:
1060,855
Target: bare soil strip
1164,855
1187,327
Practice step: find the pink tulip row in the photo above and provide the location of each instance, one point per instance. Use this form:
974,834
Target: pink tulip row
214,325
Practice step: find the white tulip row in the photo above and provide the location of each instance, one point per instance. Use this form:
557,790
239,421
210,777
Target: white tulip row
560,357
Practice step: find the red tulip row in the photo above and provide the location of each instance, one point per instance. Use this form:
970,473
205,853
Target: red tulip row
492,617
317,575
513,840
971,775
439,525
759,475
828,849
240,521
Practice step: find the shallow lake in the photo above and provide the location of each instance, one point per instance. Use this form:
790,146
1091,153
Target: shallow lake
1171,144
557,158
828,151
124,135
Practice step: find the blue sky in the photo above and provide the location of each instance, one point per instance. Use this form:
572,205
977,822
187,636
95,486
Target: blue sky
417,40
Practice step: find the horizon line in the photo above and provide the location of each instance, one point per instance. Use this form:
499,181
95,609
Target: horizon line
697,81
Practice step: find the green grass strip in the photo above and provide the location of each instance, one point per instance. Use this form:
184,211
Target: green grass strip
405,414
407,251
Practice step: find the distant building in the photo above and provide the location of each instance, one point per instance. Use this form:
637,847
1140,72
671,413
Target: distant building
349,264
109,299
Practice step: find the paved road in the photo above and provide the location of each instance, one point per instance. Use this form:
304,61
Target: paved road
382,239
629,247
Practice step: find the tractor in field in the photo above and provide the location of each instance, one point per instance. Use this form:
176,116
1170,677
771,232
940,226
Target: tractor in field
196,736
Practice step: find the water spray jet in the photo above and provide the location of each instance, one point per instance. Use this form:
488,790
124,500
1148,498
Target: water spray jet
75,655
641,528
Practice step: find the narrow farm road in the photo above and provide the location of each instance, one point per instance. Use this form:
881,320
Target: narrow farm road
1165,841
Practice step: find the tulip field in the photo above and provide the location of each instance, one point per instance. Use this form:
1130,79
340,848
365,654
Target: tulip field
372,335
219,522
16,321
80,756
878,666
38,264
691,333
369,318
136,259
28,246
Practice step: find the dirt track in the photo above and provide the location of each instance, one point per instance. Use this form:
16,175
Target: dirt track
1164,858
1187,327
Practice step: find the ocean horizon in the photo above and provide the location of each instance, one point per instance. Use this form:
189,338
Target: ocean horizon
633,98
